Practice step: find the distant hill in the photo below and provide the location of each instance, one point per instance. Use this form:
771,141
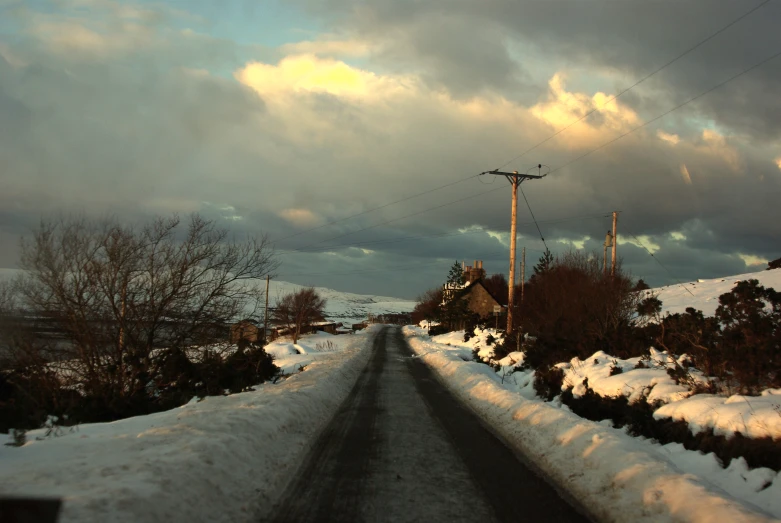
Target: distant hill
346,306
706,292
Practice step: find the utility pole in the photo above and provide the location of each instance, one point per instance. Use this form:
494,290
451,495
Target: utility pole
615,243
608,243
265,315
515,179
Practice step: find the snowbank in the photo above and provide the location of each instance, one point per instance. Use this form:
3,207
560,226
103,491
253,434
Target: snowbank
619,478
221,459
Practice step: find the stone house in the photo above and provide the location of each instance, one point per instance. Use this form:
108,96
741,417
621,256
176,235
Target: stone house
480,299
246,330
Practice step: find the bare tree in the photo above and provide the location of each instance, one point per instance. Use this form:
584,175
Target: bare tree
428,305
125,299
299,309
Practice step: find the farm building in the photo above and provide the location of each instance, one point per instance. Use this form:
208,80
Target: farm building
246,330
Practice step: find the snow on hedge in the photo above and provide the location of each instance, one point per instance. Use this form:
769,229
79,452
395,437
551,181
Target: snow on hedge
755,417
618,477
752,416
628,380
224,458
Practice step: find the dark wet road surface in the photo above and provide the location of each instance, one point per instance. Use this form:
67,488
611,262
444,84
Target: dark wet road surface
402,449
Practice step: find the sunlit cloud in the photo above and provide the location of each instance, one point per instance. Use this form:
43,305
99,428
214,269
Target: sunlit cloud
668,137
579,244
685,174
717,145
564,107
753,261
326,45
300,217
310,73
642,241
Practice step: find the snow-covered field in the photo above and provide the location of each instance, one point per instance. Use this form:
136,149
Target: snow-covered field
220,459
619,477
345,306
705,293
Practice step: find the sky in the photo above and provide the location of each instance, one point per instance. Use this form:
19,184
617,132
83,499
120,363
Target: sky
320,123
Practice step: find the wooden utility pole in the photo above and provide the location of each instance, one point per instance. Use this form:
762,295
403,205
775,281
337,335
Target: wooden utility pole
613,258
515,180
265,315
513,228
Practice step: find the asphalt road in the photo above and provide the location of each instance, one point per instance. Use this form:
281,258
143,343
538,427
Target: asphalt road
401,448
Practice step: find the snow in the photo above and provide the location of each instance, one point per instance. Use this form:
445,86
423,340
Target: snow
631,382
755,417
705,293
345,306
224,458
340,306
617,477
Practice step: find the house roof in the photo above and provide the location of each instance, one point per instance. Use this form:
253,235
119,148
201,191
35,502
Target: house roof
466,290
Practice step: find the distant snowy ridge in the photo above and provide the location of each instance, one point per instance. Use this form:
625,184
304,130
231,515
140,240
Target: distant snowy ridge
345,306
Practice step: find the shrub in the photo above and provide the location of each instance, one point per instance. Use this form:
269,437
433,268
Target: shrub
126,301
18,437
548,382
574,309
638,419
436,330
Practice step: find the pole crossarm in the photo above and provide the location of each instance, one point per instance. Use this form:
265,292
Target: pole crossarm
514,177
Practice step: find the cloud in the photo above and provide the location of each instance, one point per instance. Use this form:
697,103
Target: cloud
305,134
313,74
668,137
563,108
752,261
718,145
328,45
685,173
300,217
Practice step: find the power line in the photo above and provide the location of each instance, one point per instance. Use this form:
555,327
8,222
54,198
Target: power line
660,263
438,235
745,71
375,208
643,79
696,46
301,249
533,218
690,100
582,156
359,271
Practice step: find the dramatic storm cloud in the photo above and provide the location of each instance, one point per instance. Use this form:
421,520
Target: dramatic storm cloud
282,119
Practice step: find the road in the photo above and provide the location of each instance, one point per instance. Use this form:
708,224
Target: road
401,448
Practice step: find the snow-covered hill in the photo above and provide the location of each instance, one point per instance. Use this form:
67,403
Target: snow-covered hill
345,306
705,293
